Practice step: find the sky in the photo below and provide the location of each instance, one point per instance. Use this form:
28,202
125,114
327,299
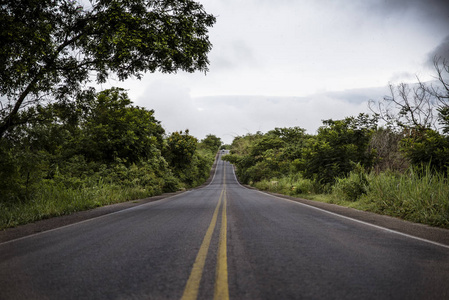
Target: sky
288,63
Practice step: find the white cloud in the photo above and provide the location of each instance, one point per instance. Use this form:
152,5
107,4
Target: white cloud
230,116
293,63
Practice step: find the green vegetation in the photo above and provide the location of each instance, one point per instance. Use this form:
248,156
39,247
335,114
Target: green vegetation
399,169
95,151
65,147
417,195
51,48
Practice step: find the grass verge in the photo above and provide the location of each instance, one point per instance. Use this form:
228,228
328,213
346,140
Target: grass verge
418,195
56,200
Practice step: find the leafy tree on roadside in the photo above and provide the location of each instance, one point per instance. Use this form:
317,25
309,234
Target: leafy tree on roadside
337,147
51,48
211,142
427,147
180,149
262,156
112,128
188,163
289,135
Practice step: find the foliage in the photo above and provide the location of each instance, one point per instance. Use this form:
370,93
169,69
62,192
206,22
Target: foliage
293,185
262,156
420,114
190,161
386,144
180,149
418,195
322,158
211,143
98,150
50,48
427,147
444,119
353,186
337,146
114,129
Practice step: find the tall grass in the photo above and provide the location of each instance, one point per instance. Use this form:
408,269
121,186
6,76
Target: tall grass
293,185
418,195
52,200
66,193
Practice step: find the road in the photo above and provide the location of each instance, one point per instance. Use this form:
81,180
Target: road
218,242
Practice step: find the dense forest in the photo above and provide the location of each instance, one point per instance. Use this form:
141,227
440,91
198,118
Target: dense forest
395,161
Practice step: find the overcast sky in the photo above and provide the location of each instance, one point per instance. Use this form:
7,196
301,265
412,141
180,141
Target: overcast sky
291,63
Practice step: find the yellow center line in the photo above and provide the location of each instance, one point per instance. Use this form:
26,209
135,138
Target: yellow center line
221,290
193,283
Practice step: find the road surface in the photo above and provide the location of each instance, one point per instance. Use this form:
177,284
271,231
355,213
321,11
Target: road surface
223,241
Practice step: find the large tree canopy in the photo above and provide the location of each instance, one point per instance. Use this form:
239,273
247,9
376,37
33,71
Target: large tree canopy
50,48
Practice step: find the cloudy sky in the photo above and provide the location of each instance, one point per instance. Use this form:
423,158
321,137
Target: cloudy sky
291,63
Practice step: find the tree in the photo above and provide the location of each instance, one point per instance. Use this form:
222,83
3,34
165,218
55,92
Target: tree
418,107
211,142
337,148
262,156
113,128
428,148
421,114
51,48
181,148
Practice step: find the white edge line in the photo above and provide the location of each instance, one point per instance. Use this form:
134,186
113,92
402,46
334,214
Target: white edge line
348,218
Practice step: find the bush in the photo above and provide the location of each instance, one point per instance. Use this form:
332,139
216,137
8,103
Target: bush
353,186
427,148
292,185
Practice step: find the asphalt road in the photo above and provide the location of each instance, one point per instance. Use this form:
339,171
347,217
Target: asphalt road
223,241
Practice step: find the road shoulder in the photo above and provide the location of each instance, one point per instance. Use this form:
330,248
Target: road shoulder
434,234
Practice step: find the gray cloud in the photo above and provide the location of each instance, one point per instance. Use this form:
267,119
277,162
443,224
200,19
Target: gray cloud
232,55
304,59
230,116
429,9
442,51
431,12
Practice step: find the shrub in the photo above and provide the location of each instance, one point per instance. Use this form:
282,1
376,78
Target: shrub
353,186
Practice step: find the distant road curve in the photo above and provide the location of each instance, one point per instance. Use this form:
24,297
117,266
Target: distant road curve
225,241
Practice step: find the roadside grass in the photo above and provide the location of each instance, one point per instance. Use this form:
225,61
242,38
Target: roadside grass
51,200
66,193
418,195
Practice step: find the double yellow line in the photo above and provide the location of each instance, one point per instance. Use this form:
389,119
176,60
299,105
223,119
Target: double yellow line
221,290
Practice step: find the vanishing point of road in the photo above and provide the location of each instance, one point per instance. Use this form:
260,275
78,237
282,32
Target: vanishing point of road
223,241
